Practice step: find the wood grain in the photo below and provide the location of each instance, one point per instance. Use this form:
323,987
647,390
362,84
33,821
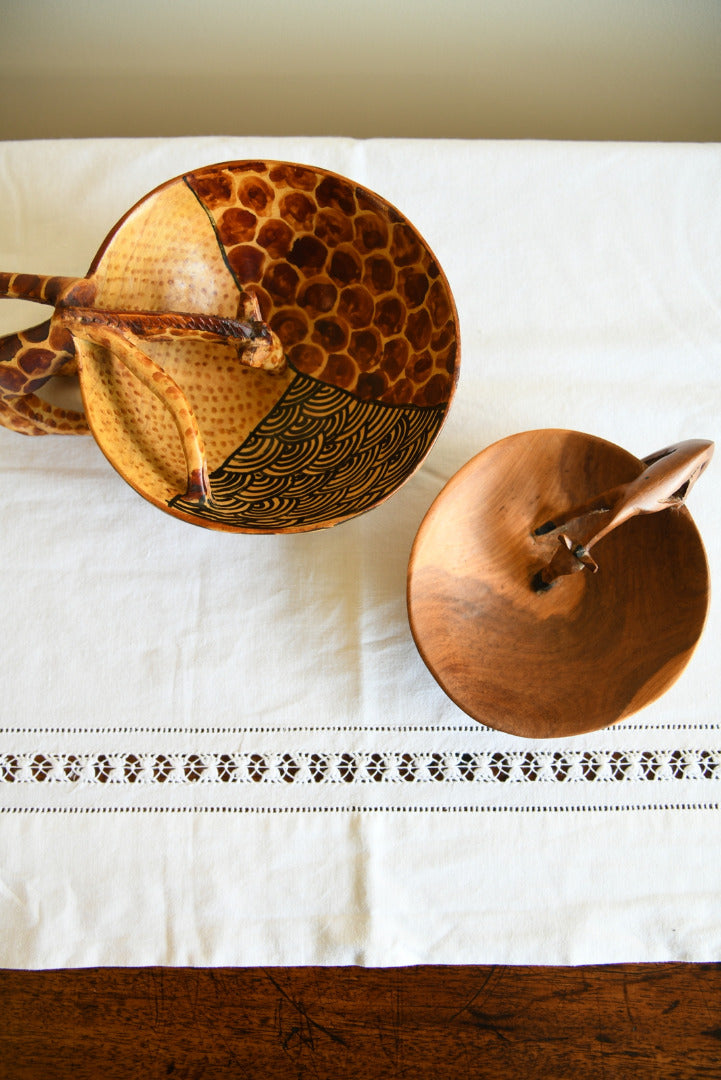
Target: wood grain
592,649
599,1023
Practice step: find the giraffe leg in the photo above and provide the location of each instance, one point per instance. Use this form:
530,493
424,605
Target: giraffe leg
14,417
27,361
43,288
165,389
31,415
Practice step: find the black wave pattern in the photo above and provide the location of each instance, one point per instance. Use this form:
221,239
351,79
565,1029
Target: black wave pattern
320,455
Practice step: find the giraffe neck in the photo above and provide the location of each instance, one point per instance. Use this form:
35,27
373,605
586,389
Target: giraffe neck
168,323
73,299
75,295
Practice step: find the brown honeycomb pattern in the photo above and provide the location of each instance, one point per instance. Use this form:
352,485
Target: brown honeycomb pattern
349,286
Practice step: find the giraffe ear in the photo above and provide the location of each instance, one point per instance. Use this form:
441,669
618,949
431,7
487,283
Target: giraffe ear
249,306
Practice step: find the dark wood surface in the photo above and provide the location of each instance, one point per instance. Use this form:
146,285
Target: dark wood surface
596,1023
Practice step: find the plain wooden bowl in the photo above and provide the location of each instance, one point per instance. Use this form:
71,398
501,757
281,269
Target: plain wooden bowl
591,649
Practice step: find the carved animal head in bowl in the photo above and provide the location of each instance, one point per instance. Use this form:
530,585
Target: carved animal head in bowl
504,601
261,347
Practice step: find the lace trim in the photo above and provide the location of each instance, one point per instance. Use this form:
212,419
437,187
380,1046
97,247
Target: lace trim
257,729
264,810
361,767
474,728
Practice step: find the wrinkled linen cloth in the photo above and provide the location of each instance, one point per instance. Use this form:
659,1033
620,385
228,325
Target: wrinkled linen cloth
222,749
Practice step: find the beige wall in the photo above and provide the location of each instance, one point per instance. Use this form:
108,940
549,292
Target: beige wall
579,69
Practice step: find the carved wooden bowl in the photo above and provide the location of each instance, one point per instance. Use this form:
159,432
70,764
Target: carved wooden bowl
513,632
261,347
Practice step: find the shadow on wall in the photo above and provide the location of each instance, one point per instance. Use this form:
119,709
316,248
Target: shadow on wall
556,69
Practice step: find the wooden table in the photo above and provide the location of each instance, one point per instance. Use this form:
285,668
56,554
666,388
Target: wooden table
599,1023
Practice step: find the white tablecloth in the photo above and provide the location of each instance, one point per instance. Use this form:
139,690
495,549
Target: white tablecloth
221,749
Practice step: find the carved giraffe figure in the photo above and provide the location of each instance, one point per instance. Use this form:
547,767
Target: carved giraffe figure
295,272
27,369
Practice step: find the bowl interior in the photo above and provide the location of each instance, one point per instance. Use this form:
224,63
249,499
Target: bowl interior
360,304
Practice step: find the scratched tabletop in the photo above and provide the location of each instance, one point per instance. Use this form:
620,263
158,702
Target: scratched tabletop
602,1023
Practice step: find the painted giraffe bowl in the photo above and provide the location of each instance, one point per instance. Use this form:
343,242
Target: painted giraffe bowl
340,314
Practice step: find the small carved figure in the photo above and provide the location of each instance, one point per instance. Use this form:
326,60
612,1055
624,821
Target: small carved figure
664,484
30,366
